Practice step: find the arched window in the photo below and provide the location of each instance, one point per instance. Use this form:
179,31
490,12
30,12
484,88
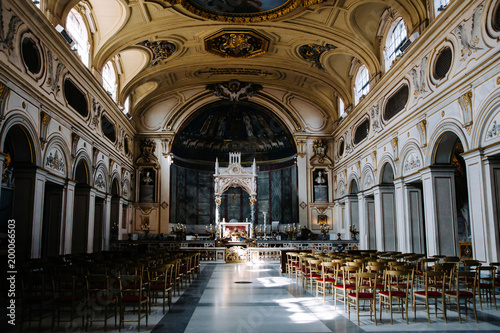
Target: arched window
440,5
395,39
109,79
78,30
126,106
342,112
362,86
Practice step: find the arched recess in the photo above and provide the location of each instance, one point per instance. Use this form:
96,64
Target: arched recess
385,204
116,205
82,203
352,206
214,131
57,162
452,217
19,185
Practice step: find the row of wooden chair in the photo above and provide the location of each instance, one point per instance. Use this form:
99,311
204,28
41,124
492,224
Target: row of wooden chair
395,279
67,290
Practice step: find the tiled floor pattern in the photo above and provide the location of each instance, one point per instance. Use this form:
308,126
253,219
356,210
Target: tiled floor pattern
257,298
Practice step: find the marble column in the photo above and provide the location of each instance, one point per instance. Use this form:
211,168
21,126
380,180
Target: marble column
107,223
403,230
483,180
68,216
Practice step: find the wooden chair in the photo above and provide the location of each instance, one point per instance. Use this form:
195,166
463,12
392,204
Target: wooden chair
327,280
397,284
36,297
313,272
365,290
67,298
161,285
346,274
463,281
133,294
432,281
100,298
486,284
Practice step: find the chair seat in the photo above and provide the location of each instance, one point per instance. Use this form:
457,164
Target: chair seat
462,293
134,298
361,295
108,299
68,298
395,293
312,275
326,280
347,286
159,287
430,293
485,285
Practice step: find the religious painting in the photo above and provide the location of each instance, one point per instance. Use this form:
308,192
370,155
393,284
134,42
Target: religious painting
240,6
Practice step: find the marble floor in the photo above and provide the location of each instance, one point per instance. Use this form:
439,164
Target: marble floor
257,298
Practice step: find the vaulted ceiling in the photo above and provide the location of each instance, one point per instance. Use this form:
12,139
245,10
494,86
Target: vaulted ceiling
185,35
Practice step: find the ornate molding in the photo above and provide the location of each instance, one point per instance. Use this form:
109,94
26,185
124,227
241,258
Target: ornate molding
44,125
53,76
395,148
97,110
470,39
374,113
422,131
237,44
74,144
55,162
7,38
234,90
494,131
267,15
312,53
148,157
419,85
465,102
412,162
319,150
99,182
161,50
368,181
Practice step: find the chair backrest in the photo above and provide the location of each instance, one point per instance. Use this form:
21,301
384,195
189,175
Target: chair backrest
471,264
434,280
486,274
398,280
131,285
466,281
365,282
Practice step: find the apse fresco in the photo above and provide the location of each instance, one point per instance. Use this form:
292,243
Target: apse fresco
224,127
240,6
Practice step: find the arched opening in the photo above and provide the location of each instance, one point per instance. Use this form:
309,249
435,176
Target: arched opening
451,195
19,188
352,207
362,86
115,209
213,132
81,208
386,193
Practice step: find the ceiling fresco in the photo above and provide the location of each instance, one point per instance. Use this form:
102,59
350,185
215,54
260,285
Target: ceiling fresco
240,6
225,126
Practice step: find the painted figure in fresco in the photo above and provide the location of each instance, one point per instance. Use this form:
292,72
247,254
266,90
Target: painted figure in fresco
235,6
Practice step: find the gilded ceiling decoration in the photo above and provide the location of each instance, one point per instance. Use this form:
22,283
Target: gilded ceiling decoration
237,44
161,50
242,11
234,90
312,52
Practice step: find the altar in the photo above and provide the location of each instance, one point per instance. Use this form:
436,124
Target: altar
237,229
